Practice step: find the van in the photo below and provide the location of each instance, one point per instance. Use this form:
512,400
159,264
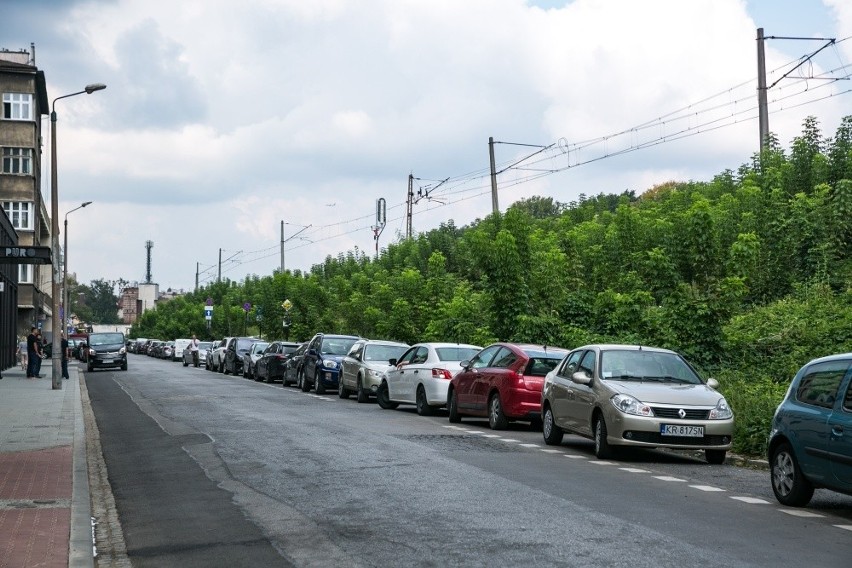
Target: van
180,345
106,350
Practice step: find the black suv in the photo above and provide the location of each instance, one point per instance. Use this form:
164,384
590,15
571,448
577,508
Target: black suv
106,350
234,351
322,360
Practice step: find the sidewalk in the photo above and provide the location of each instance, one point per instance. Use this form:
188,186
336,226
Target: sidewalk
45,517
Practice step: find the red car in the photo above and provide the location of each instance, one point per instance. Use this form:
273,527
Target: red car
502,382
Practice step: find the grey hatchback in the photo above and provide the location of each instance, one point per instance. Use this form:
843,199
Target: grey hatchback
810,443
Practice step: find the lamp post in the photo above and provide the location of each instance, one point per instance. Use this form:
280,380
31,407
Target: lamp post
56,357
66,312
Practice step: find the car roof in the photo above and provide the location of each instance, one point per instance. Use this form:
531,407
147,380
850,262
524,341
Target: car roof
624,347
827,358
384,342
436,344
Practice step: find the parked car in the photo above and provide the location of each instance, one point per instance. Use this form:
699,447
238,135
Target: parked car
810,442
155,348
422,375
167,350
503,383
630,395
106,350
217,356
250,358
232,358
272,363
293,365
365,366
321,361
179,346
203,349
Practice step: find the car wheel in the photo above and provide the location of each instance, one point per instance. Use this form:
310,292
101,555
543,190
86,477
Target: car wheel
789,484
362,394
303,383
185,364
383,398
453,407
246,374
342,391
124,367
496,417
715,456
552,433
318,386
423,408
284,381
90,368
603,450
221,366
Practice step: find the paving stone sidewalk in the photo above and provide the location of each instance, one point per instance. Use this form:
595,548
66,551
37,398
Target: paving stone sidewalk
45,515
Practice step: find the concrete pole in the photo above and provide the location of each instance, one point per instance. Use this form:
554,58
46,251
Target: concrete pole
495,206
762,105
282,247
56,356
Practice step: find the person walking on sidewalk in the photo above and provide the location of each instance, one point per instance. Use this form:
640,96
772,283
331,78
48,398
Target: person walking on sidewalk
32,353
22,353
64,347
193,349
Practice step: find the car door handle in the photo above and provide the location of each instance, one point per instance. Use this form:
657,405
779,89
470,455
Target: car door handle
837,430
416,371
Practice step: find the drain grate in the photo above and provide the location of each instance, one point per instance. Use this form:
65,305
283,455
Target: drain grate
460,442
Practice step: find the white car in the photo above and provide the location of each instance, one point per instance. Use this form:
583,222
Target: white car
180,345
365,366
422,375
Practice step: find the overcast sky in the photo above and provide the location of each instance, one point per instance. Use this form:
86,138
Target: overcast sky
221,119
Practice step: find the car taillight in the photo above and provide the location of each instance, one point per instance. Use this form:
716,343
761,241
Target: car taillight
280,357
441,374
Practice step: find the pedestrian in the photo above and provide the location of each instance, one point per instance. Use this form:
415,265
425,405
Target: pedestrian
65,350
22,353
39,353
32,353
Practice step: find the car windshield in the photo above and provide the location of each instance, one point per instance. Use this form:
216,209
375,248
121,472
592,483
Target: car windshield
456,354
646,366
383,352
337,345
260,346
540,366
244,344
205,345
287,349
106,339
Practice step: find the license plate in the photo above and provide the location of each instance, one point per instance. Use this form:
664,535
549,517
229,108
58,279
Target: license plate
106,361
682,430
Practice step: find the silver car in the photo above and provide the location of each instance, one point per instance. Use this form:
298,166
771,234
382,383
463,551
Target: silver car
629,395
365,367
422,375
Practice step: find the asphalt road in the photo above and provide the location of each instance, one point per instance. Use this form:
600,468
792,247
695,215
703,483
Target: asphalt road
215,470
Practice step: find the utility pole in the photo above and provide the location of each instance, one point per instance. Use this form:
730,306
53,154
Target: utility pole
290,238
381,221
196,276
282,246
762,105
409,206
495,207
219,278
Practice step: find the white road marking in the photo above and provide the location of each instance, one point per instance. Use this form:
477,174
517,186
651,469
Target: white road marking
602,462
474,431
548,451
491,435
508,440
669,478
706,488
844,527
751,500
800,513
634,470
529,445
574,457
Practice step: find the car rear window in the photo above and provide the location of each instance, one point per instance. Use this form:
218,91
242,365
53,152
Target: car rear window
244,344
821,382
288,348
383,352
456,353
540,366
337,345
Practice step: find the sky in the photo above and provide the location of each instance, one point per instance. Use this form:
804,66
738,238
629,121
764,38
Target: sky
222,119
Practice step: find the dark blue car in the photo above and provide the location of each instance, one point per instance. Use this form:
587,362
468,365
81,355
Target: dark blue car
810,444
322,360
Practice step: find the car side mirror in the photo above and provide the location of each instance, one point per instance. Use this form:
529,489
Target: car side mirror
392,362
465,364
581,378
713,383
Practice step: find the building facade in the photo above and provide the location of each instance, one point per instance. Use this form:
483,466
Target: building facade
24,99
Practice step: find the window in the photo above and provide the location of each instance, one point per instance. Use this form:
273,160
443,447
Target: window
20,213
820,384
847,401
483,359
570,365
504,358
587,365
17,106
25,274
17,160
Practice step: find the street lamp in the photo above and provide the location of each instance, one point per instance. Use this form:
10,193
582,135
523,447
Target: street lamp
56,357
66,311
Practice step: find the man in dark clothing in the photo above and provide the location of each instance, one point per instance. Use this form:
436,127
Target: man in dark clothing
64,347
32,353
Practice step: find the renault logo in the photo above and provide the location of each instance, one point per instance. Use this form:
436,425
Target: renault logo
681,413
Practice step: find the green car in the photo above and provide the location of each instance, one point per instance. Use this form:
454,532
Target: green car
810,444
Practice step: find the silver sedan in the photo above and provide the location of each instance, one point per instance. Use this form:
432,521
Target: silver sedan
365,366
